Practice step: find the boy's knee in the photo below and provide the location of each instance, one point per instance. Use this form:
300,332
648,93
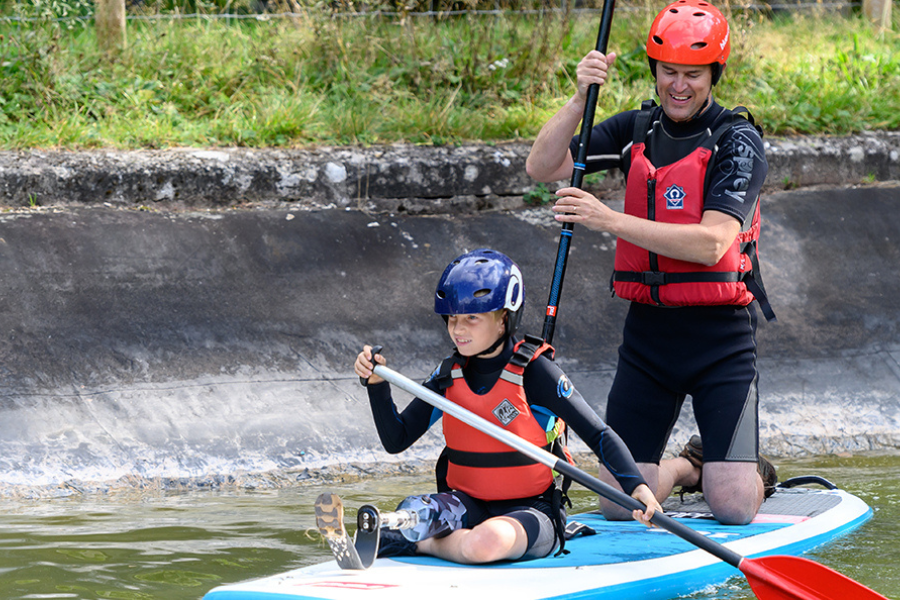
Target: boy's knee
482,546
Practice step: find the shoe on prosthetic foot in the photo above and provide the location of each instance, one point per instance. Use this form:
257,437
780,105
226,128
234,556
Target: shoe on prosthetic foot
693,452
330,523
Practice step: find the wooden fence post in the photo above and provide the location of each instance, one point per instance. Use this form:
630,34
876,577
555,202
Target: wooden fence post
109,24
878,12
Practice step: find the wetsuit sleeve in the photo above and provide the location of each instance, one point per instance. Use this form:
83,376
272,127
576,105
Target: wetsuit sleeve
739,170
548,387
609,140
398,430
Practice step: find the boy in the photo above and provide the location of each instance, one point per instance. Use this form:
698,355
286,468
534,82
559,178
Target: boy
492,503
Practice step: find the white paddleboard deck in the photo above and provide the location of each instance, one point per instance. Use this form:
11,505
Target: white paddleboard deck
624,560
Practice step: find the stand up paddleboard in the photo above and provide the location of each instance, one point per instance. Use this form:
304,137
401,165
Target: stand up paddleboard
622,560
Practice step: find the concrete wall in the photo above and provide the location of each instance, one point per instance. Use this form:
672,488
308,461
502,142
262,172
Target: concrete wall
140,344
399,178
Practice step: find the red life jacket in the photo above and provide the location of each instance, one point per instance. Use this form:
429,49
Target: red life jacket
478,464
675,194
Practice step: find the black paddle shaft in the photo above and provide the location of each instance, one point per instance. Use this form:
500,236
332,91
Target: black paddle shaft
584,140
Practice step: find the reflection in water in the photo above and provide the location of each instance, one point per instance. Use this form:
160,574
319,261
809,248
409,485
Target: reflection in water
178,546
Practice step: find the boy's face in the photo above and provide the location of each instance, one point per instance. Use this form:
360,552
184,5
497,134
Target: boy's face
473,334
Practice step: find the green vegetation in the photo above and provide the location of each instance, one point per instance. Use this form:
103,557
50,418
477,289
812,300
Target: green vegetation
340,80
539,196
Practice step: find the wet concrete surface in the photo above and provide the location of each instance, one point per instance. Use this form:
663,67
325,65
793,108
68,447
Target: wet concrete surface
189,344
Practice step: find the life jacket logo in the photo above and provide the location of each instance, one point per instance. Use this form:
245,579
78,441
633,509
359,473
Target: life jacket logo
674,197
506,412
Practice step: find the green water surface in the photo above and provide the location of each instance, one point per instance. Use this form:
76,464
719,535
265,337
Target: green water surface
178,546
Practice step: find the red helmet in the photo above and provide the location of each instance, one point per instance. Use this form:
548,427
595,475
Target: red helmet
689,32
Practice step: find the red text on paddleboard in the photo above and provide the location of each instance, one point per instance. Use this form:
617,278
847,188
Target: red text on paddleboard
348,585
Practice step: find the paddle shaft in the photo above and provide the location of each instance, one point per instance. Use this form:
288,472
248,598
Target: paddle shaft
584,140
550,460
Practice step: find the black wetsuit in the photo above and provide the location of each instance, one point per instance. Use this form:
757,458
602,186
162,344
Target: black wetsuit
707,352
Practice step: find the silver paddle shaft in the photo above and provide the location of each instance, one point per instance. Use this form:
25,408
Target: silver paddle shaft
469,418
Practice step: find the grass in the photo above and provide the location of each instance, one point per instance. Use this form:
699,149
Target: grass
284,83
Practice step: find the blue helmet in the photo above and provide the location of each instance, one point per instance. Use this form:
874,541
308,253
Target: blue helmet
481,281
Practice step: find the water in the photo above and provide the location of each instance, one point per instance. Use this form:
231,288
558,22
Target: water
177,546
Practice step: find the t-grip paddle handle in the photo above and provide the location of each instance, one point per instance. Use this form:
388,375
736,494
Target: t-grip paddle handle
364,381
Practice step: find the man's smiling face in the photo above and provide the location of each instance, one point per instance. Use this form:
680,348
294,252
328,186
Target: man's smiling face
683,89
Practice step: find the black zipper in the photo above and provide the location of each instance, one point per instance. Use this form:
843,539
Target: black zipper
651,215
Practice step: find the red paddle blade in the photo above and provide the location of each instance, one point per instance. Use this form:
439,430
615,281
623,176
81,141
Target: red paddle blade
795,578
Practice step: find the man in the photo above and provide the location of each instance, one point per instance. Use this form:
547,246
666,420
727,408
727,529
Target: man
685,256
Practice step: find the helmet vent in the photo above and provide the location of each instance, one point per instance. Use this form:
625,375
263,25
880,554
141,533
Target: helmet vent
481,281
698,45
657,40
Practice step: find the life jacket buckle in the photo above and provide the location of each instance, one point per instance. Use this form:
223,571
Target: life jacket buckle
653,278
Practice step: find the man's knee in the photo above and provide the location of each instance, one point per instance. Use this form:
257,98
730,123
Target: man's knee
733,491
733,513
614,512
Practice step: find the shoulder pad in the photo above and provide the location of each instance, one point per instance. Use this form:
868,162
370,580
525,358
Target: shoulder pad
529,349
642,121
744,113
442,377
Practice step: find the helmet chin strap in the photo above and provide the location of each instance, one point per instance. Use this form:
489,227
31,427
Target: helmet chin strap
500,341
702,108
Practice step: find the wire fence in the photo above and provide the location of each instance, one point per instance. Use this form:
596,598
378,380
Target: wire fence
69,11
